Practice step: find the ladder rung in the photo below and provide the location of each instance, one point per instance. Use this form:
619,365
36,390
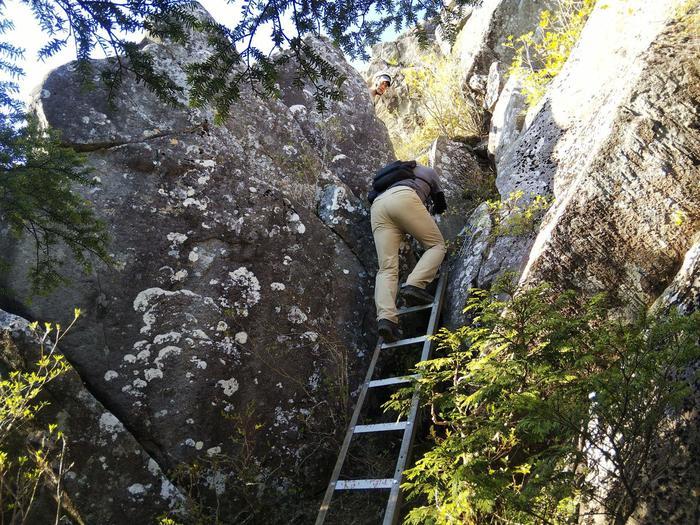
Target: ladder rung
364,484
402,342
415,308
380,427
392,381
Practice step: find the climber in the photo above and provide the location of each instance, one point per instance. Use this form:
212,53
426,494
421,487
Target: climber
401,209
382,81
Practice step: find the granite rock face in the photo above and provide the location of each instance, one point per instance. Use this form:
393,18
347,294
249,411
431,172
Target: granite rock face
466,264
628,205
568,132
237,316
483,38
460,176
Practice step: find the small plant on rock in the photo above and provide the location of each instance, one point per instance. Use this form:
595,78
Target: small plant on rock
516,215
26,469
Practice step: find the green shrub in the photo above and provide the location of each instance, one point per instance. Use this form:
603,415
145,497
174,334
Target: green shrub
444,109
516,216
519,395
26,469
541,54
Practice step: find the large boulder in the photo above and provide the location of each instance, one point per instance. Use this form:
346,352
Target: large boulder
628,197
473,243
615,151
233,325
463,179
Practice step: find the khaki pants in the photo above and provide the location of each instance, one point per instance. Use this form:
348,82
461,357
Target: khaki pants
396,212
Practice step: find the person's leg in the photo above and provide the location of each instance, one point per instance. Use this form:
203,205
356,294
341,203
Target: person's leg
411,216
387,238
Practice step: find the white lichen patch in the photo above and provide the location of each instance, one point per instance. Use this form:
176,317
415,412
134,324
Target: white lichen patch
198,362
247,285
241,338
229,386
314,380
339,157
153,467
206,163
169,337
296,316
193,256
137,489
179,276
189,201
199,334
111,374
221,326
277,286
295,221
109,424
166,352
213,451
153,373
310,336
176,239
146,301
217,482
129,358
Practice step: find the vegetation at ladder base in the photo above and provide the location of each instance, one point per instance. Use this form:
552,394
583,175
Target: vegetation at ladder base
28,466
39,174
445,108
517,215
541,54
537,396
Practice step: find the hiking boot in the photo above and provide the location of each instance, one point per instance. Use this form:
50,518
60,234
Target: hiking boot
388,330
414,296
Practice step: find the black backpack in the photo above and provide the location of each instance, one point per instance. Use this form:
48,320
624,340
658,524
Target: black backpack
389,175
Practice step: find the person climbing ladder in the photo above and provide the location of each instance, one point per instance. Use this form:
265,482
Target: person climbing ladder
397,209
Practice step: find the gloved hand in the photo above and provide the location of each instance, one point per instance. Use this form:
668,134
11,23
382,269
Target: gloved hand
439,203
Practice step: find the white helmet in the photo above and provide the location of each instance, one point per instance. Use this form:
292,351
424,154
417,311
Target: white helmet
382,77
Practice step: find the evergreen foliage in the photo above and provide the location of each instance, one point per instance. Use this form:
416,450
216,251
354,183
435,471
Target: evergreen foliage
352,25
37,177
536,396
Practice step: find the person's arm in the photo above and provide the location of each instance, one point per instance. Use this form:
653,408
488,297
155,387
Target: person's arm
436,193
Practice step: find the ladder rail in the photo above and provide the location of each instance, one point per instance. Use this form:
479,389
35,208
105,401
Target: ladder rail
391,515
348,438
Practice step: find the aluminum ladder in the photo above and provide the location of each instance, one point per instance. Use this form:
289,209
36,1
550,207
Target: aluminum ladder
393,485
